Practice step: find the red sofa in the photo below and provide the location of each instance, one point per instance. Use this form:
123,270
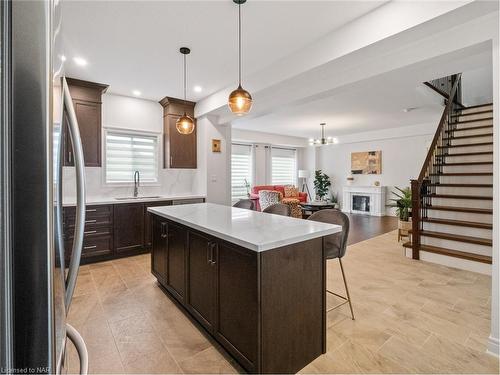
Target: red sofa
254,194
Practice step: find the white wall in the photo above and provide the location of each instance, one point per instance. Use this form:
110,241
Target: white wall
215,177
140,115
403,153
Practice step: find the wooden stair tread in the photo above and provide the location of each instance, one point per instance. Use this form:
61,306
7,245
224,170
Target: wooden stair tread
468,145
453,253
466,163
476,120
466,154
457,237
459,223
463,174
472,210
473,114
469,128
468,136
457,196
462,185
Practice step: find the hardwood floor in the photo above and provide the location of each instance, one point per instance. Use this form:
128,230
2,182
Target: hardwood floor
411,317
363,227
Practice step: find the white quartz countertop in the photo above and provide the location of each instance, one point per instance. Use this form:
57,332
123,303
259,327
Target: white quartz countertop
254,230
95,201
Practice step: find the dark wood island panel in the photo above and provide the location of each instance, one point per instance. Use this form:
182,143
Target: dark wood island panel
267,309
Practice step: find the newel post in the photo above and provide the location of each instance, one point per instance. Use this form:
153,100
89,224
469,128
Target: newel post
415,218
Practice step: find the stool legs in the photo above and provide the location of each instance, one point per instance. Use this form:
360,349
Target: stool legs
346,299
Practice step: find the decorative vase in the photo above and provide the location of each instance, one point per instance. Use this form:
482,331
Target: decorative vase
404,225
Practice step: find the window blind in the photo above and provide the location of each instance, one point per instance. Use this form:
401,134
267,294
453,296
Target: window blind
283,166
127,153
241,170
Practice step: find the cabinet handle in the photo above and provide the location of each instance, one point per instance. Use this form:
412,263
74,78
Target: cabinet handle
90,221
89,247
209,256
171,161
90,232
212,255
163,230
91,210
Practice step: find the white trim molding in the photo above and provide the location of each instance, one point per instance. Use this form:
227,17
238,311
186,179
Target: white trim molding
493,346
375,193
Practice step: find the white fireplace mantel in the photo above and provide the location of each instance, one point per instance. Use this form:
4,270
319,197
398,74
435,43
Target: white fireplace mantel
375,193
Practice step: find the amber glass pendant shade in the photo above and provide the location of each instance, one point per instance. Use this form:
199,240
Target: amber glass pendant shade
240,101
185,124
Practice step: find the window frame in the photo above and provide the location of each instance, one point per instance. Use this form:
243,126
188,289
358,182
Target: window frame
125,131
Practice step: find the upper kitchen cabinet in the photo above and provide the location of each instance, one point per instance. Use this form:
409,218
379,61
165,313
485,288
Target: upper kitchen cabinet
87,102
179,150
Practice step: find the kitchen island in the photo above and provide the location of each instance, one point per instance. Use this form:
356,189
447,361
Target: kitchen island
255,281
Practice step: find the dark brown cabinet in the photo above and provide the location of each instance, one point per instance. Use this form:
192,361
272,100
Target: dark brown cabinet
128,222
201,279
237,298
87,103
176,259
159,251
267,309
179,150
148,221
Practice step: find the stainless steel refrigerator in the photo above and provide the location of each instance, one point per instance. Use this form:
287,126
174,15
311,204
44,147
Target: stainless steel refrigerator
35,287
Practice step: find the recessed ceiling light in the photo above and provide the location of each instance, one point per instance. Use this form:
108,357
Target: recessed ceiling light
197,89
63,58
136,93
80,61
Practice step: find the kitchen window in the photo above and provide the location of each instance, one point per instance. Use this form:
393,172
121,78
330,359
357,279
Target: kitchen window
127,152
241,170
283,166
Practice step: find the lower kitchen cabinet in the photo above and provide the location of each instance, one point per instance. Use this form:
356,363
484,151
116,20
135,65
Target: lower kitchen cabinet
237,296
201,279
176,259
159,251
221,291
128,225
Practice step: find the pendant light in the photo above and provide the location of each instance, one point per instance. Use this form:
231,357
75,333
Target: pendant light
185,124
323,140
240,100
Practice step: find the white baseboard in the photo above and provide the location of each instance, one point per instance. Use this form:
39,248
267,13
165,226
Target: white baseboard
493,346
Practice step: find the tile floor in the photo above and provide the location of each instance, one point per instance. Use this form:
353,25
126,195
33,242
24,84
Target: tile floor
411,317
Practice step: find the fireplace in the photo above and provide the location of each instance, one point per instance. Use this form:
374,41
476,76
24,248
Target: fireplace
366,200
360,203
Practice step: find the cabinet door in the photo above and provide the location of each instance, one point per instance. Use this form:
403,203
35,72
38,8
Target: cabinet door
201,279
237,304
148,221
159,249
177,238
88,115
181,149
128,227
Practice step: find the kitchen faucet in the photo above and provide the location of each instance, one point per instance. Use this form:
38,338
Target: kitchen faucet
137,180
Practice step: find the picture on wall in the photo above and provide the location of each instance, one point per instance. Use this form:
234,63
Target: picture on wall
368,162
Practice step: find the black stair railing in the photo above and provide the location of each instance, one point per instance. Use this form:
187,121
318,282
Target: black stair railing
425,185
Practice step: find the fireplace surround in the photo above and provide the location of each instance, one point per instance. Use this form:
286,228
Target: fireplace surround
366,200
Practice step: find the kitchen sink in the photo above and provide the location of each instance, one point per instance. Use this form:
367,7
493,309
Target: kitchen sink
141,197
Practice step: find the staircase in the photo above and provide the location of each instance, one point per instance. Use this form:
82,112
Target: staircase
453,195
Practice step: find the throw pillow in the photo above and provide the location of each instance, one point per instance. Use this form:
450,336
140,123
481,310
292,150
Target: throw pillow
291,191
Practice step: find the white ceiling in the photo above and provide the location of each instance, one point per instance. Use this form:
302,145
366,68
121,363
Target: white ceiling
133,45
376,103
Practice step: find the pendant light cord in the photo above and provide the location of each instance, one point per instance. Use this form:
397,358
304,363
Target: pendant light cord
239,44
185,80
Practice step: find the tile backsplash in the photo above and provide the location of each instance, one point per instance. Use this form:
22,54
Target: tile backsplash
172,182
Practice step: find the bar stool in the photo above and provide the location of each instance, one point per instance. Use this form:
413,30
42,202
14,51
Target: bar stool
336,246
247,204
278,209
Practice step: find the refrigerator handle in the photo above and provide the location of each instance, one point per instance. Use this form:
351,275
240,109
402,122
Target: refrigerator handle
76,142
80,346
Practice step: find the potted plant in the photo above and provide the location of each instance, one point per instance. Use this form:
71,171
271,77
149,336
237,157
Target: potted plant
403,207
321,184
